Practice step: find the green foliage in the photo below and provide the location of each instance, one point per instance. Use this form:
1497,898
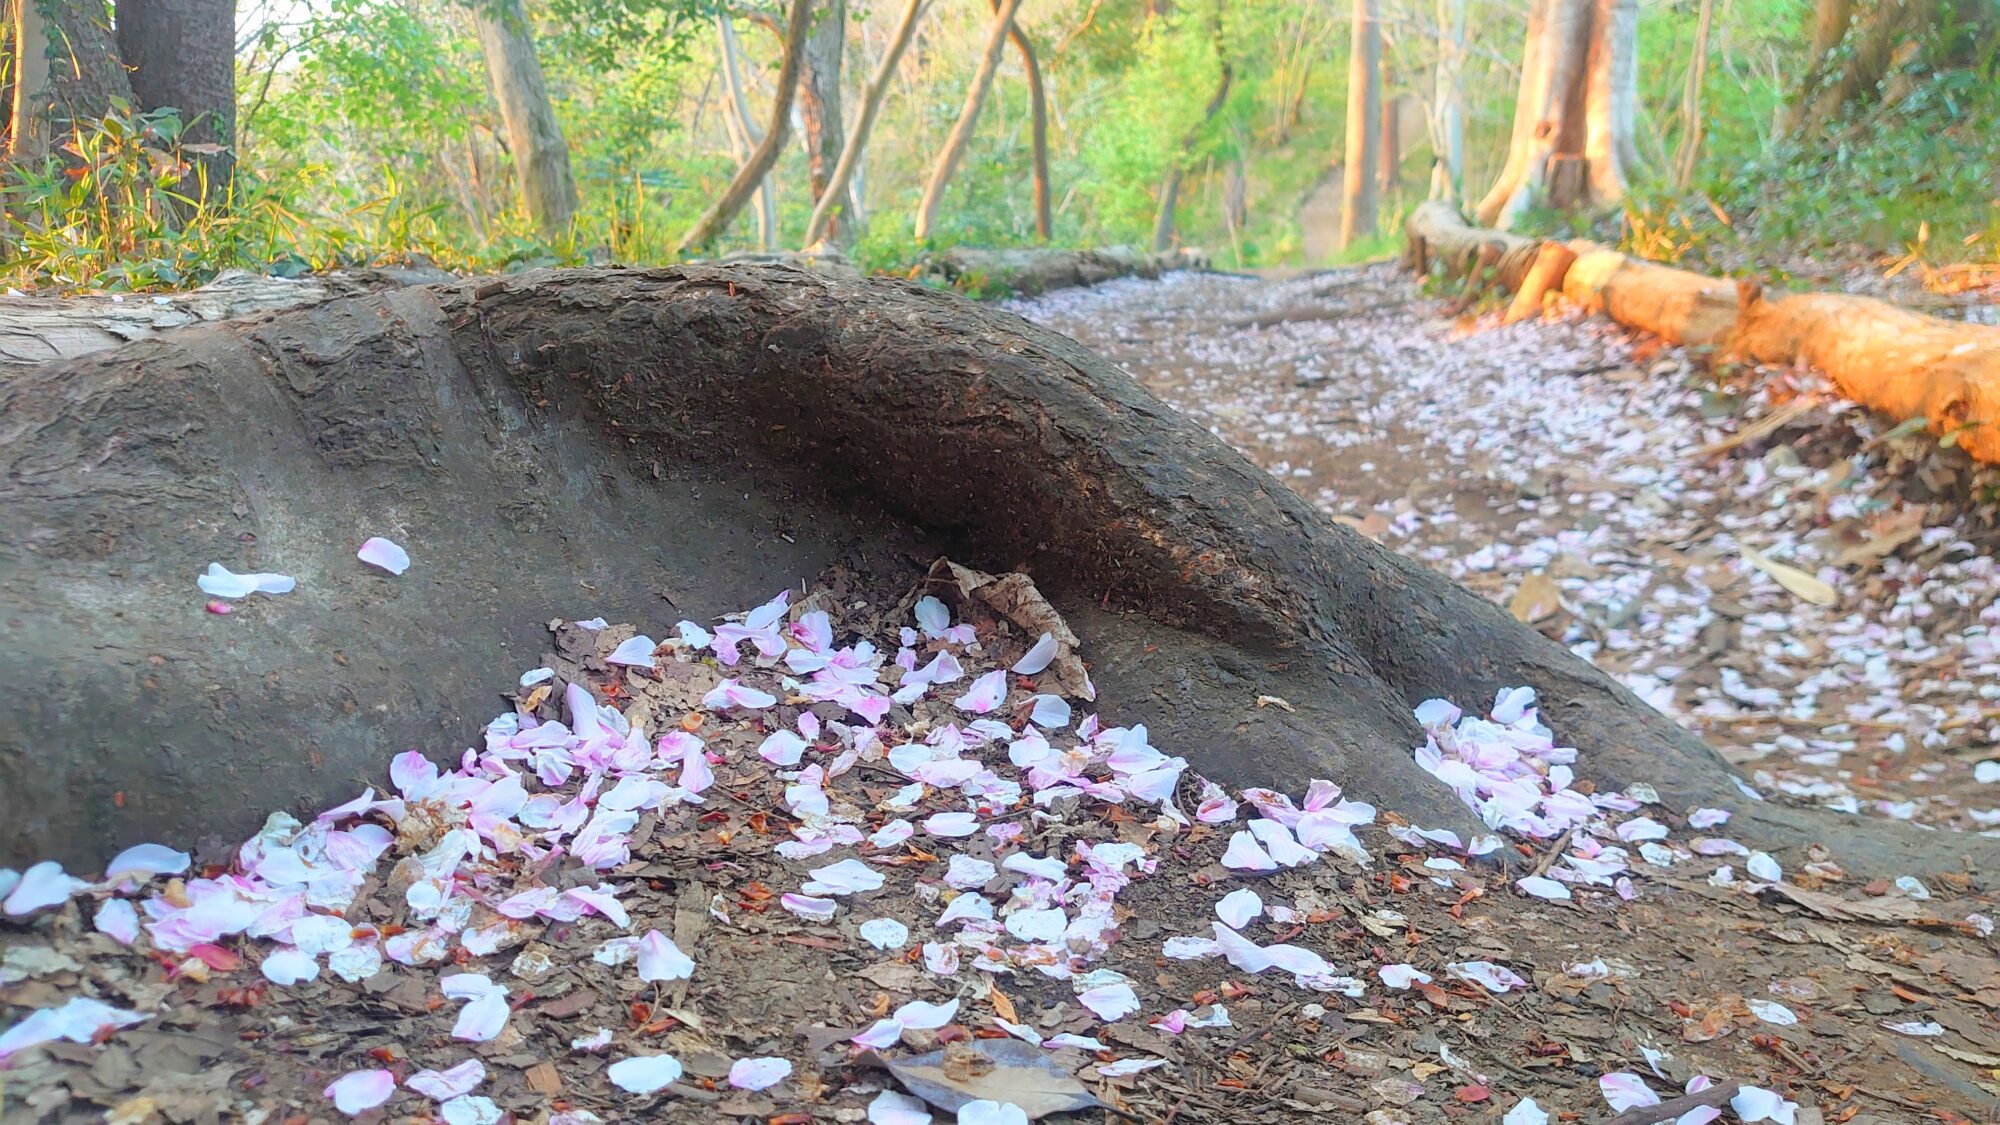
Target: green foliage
123,206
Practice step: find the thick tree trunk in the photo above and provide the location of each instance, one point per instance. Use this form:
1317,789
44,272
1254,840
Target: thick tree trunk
704,436
1876,45
953,151
66,73
744,132
751,175
182,53
1573,142
1447,119
819,97
1038,110
834,198
541,155
1364,124
1830,21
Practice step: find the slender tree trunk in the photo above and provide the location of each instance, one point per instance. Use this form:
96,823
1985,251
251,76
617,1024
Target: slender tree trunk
744,132
719,215
819,97
1830,22
1364,124
1448,105
67,73
541,155
1038,106
968,116
1170,187
830,201
1689,153
1391,163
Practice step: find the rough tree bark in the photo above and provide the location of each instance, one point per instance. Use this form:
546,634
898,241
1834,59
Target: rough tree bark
1447,119
1038,112
968,116
1364,124
834,198
66,72
541,155
1170,186
819,97
751,175
182,53
1875,45
744,133
1573,141
704,436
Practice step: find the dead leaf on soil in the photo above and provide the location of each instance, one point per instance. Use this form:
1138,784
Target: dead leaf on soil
1537,598
1889,911
1019,1073
1884,535
1792,578
1014,597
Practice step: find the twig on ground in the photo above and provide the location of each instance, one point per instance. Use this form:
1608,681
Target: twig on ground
1672,1109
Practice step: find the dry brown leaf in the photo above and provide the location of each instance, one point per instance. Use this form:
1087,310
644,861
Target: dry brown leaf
1890,911
1537,598
1884,535
543,1079
1014,597
1792,578
1002,1006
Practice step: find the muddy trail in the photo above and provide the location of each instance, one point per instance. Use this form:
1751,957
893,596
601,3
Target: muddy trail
883,850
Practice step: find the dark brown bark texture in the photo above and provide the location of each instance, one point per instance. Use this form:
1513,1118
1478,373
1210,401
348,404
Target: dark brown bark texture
182,53
649,445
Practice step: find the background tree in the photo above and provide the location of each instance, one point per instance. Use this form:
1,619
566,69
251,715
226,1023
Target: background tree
182,54
953,149
1364,124
535,138
833,199
744,132
819,97
1447,116
1575,115
1038,111
723,211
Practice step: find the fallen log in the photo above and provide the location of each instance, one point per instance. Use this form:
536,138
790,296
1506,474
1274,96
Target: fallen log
1028,271
1905,364
651,445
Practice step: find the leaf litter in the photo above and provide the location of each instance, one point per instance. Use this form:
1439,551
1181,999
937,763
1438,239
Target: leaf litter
600,914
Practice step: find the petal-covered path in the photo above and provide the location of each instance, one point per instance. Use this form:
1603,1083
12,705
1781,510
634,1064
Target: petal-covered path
1642,509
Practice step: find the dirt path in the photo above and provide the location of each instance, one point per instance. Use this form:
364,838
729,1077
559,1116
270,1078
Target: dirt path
1561,469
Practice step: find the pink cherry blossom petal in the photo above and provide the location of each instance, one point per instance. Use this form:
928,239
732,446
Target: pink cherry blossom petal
758,1074
380,552
357,1093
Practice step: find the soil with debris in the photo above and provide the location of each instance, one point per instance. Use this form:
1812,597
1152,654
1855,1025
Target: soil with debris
868,855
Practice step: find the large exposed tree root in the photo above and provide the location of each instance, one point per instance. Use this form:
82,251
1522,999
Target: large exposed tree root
652,445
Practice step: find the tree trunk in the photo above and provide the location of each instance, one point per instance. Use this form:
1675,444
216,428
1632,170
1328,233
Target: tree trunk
831,201
723,432
1038,107
1574,136
968,116
182,53
1448,105
744,133
1027,271
1390,165
1689,152
751,175
541,155
1875,48
1830,22
819,98
65,74
1170,187
1364,124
